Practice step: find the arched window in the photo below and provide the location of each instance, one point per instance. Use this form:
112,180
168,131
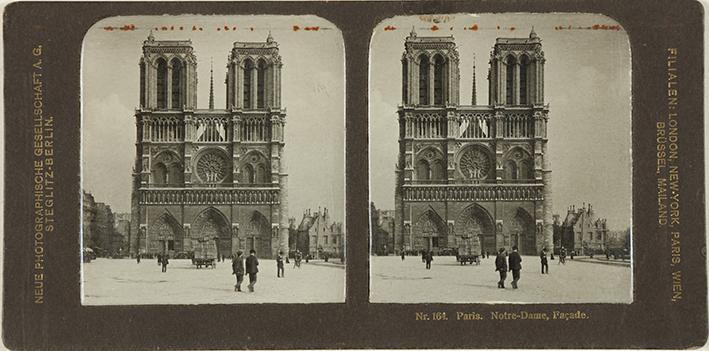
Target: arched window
523,63
437,170
510,169
162,83
423,170
438,80
261,174
423,81
510,80
261,85
405,81
142,84
525,170
159,174
248,67
247,175
177,83
175,175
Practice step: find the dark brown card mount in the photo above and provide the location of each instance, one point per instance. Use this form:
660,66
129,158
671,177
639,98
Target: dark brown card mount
658,317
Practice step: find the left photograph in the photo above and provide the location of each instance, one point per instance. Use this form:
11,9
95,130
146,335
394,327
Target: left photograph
212,159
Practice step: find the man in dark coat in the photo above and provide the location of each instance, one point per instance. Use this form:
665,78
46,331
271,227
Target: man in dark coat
515,263
501,266
428,257
252,269
545,263
279,265
402,255
165,262
237,268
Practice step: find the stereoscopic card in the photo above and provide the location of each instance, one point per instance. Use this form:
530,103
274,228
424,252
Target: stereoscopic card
419,175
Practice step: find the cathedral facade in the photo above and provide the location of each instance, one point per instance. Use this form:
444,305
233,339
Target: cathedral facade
209,174
478,170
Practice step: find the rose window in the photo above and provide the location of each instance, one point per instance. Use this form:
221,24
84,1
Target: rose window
212,168
474,164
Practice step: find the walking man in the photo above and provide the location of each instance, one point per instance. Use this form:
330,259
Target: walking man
562,255
138,258
165,262
428,257
252,269
279,265
501,266
545,263
237,268
515,263
402,255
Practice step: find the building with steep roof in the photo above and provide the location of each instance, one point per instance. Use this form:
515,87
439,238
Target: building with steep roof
582,231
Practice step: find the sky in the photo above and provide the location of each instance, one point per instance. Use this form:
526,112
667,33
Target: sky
312,94
587,86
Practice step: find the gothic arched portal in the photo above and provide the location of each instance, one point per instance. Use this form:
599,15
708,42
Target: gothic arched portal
165,235
522,233
258,235
474,221
429,232
212,224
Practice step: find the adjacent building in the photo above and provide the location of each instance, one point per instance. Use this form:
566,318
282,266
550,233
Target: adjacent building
318,234
209,174
382,231
581,231
468,171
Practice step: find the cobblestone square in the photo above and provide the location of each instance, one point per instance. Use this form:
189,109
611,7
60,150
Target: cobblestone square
578,281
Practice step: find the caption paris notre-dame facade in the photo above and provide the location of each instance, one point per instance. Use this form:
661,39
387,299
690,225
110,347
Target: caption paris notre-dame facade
478,171
212,174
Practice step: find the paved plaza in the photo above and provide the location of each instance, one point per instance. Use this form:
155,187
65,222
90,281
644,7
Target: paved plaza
123,281
577,281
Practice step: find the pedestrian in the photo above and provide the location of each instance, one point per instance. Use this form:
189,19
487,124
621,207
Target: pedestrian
402,255
237,268
252,269
515,266
501,266
138,258
423,255
428,258
545,263
562,255
279,265
572,254
159,259
165,262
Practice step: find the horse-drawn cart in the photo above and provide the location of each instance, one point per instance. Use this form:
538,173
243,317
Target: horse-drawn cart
205,253
469,249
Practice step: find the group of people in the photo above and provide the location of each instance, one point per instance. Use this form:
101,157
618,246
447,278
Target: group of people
512,264
251,268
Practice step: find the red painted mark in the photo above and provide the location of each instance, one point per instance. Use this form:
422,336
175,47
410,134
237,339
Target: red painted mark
127,27
108,28
387,28
434,27
474,27
315,29
296,28
512,28
164,28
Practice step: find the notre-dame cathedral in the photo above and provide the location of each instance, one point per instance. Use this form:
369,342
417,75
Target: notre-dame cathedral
209,173
473,171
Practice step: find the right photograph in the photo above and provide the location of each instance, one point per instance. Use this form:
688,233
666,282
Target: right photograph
500,159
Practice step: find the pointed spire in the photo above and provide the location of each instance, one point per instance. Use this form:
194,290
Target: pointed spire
151,37
269,38
211,84
533,34
413,32
475,91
